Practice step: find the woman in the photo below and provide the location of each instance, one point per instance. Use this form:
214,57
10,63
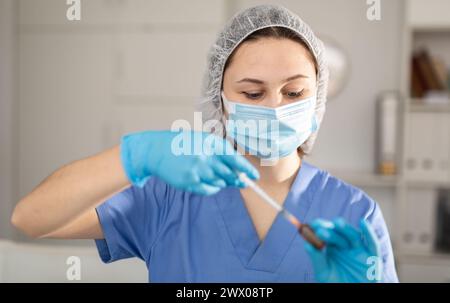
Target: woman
188,215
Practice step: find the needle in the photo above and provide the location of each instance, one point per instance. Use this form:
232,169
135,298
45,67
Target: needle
304,229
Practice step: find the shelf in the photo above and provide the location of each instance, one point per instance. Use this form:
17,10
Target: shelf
430,14
430,28
424,258
418,105
363,179
366,179
427,184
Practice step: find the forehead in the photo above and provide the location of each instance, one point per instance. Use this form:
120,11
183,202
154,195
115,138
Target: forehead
270,54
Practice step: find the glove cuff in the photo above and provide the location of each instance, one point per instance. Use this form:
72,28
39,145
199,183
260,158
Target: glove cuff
135,173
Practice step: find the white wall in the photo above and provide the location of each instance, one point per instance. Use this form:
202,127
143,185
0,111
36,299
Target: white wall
126,66
7,78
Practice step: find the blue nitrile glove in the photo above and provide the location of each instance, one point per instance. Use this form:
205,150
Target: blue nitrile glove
350,255
193,161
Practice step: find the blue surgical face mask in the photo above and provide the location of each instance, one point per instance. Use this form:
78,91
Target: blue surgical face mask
271,133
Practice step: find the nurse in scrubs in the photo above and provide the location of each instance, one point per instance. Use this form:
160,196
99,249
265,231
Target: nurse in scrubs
188,215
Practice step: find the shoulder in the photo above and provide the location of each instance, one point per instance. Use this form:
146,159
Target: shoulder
339,198
167,196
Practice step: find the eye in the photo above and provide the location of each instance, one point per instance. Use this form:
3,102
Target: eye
253,96
294,95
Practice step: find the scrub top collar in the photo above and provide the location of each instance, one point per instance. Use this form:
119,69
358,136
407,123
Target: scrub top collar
265,255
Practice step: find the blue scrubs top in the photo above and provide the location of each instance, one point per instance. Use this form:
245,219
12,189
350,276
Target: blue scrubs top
184,237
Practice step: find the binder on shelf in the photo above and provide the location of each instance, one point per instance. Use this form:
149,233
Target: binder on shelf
418,233
387,133
429,75
428,147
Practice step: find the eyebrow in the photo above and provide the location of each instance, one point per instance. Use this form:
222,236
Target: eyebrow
257,81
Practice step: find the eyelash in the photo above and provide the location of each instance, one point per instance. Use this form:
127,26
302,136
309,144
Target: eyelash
255,96
297,94
252,96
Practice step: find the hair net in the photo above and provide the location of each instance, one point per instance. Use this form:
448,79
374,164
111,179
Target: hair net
235,31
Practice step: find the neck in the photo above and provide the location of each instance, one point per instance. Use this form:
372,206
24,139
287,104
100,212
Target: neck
283,171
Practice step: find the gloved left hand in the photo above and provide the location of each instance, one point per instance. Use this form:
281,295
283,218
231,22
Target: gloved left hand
350,255
194,161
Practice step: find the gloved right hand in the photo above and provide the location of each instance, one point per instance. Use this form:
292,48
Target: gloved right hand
350,255
189,160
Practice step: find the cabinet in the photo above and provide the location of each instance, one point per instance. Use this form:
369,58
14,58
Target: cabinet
425,164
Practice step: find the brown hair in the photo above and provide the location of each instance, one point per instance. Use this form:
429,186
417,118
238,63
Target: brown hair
276,32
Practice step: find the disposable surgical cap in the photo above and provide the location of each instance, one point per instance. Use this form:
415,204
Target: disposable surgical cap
235,31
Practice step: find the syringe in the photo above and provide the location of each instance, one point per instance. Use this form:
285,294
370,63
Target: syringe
304,229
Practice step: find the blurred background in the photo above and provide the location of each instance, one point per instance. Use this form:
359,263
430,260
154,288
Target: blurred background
71,88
